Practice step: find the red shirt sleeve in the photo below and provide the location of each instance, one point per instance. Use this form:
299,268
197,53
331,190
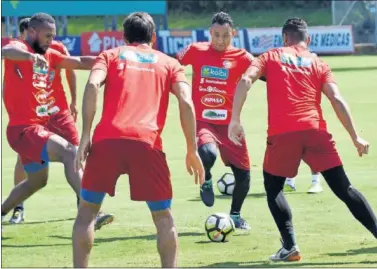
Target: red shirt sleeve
177,73
246,61
326,74
261,63
187,55
56,57
102,62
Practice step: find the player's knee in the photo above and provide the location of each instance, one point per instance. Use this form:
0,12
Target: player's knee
242,177
92,197
69,152
159,207
208,154
273,184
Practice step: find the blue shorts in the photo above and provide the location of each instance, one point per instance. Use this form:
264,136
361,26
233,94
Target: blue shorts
34,167
98,197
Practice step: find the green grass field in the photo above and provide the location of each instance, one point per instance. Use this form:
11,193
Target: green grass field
326,232
242,19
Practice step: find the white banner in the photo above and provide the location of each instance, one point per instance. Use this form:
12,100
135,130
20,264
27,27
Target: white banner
324,39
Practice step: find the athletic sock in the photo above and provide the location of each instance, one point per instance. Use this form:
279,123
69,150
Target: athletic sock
316,179
290,181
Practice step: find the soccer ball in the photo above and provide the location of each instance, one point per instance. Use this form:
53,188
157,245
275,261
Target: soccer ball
226,184
219,227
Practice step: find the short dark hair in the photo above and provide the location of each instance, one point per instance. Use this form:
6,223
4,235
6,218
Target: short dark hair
222,18
40,18
296,29
23,25
138,27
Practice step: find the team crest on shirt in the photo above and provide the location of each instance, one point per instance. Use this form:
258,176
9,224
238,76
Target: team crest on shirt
227,64
139,57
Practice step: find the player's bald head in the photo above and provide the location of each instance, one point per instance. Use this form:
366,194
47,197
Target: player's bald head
296,29
40,20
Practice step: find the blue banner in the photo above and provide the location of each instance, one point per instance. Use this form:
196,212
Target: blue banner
81,8
73,44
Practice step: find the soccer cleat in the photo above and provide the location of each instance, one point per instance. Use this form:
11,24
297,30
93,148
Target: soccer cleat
17,217
315,188
284,255
206,193
289,188
240,223
103,219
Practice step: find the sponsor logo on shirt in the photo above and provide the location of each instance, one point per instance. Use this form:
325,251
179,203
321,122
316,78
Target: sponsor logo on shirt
211,81
227,64
297,61
138,57
183,52
215,114
214,72
213,100
211,89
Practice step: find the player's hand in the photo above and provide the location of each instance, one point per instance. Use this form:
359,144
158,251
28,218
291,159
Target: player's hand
194,166
74,111
361,145
82,152
236,134
39,60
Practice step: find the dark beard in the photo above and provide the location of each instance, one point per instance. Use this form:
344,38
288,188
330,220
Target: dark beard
38,48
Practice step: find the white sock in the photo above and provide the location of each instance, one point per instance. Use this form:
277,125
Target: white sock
315,178
290,181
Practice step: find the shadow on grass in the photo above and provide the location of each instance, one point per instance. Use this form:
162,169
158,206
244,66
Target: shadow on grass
33,246
229,197
262,264
113,239
41,222
350,69
372,250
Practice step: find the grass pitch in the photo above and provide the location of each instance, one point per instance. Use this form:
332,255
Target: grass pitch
326,232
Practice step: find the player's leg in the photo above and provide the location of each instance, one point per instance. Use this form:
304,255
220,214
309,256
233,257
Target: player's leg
36,180
290,184
150,181
100,176
19,175
282,159
316,186
30,143
322,155
207,149
208,155
339,183
63,124
238,159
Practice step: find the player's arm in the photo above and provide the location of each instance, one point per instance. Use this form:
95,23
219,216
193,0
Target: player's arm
252,74
71,62
16,51
89,104
342,110
340,107
187,113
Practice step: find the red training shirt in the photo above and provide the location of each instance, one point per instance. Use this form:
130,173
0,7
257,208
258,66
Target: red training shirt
27,89
139,80
295,78
215,76
57,83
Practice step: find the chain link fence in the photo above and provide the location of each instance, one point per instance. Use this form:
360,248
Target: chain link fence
362,15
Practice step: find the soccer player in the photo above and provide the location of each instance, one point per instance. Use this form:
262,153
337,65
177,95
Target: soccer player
34,132
127,140
217,66
64,119
315,187
296,80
